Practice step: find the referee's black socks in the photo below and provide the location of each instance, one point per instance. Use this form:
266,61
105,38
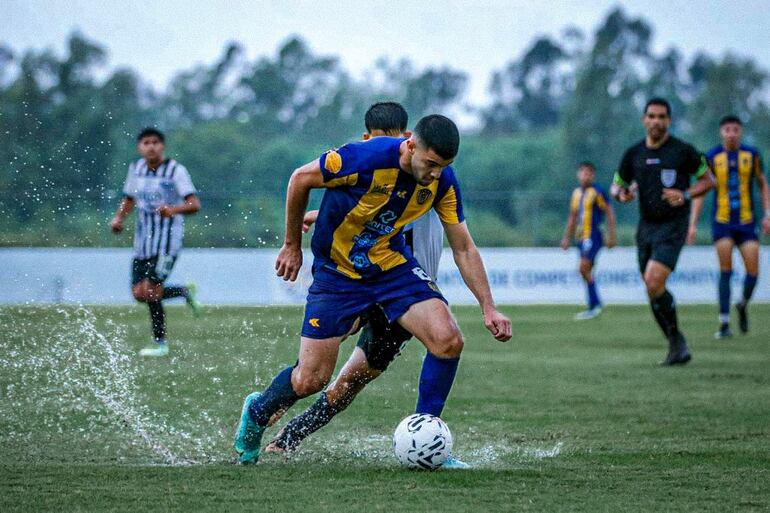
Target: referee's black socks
664,311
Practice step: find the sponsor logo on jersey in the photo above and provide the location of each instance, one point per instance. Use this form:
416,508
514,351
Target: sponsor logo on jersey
381,189
652,162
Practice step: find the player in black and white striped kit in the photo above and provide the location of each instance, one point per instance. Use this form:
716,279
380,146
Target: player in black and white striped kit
163,193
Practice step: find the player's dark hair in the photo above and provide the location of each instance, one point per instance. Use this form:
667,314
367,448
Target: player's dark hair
386,116
149,132
658,101
730,118
588,164
440,134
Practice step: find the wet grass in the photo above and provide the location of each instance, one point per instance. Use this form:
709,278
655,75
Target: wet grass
566,417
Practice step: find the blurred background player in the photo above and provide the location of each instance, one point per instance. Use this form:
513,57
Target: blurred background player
163,193
661,166
374,189
588,206
736,166
380,341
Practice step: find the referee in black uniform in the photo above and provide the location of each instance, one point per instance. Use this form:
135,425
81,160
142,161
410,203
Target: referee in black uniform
660,168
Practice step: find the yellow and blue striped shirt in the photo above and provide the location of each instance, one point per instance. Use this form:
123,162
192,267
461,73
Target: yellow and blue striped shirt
734,171
368,201
589,205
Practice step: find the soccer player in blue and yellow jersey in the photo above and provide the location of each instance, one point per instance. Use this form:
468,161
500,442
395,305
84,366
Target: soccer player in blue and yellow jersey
373,189
588,206
736,167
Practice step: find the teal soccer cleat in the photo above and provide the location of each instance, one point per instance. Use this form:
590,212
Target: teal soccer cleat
248,436
453,463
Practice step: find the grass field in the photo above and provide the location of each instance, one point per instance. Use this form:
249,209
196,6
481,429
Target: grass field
565,417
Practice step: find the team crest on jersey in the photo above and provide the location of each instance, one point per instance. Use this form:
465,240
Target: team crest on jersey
423,195
668,177
333,162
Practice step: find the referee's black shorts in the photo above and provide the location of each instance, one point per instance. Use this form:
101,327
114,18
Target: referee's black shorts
661,242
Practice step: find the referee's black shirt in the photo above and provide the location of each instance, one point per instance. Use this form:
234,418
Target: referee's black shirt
669,167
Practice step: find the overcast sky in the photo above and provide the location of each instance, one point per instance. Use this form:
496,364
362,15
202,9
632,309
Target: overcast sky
159,38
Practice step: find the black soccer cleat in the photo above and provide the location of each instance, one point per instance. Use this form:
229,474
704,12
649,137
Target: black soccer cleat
743,317
678,354
724,331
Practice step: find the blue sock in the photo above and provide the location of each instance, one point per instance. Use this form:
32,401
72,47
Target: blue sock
593,295
724,294
748,287
280,394
436,380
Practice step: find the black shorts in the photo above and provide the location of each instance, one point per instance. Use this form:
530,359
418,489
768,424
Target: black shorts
155,269
380,340
661,242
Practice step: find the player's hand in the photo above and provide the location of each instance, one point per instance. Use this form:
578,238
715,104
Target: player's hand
166,211
692,233
564,243
498,324
116,224
624,194
611,242
674,197
766,225
308,220
289,262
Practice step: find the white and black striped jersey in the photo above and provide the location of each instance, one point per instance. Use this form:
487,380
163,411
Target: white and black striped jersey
151,188
427,240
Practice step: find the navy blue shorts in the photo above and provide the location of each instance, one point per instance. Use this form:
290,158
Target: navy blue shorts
589,248
334,301
740,233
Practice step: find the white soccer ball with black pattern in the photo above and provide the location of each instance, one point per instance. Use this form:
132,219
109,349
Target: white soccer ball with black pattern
422,441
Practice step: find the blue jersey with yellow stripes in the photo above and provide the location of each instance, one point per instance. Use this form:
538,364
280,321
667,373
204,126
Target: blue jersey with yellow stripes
589,204
735,172
368,201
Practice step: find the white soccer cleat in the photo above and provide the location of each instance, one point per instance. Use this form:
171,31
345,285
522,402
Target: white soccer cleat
156,350
588,314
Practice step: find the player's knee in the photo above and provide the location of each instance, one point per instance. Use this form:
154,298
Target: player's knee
305,385
154,293
655,284
449,344
139,294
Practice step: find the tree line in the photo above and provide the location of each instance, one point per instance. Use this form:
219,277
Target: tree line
68,126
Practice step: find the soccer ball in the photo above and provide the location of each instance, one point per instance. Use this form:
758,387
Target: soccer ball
422,441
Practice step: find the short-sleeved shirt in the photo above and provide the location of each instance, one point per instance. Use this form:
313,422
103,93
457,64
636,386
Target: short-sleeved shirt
735,172
669,167
169,184
368,201
589,204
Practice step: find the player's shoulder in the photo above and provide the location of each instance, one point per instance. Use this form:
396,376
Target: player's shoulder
714,151
136,166
374,153
751,149
681,144
635,148
599,189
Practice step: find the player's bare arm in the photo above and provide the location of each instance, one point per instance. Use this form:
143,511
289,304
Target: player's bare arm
302,181
125,208
612,231
471,267
569,232
190,206
677,197
309,220
692,230
764,190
